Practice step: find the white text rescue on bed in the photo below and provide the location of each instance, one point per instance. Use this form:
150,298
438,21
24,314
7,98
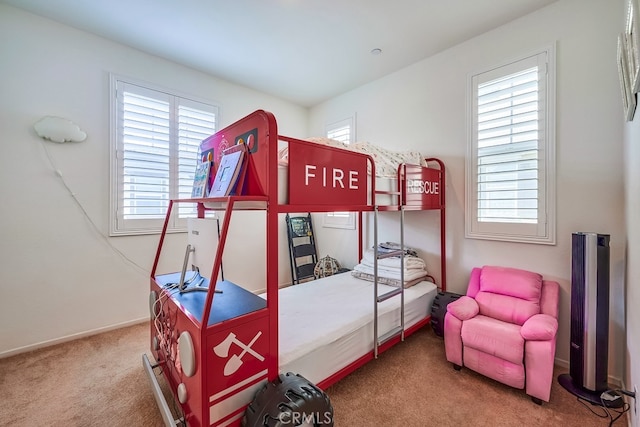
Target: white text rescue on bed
423,187
332,177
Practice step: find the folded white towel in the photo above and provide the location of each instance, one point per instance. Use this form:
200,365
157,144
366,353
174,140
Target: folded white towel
410,262
410,274
410,266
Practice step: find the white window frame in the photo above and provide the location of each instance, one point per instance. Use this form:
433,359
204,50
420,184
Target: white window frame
346,220
544,230
335,127
119,226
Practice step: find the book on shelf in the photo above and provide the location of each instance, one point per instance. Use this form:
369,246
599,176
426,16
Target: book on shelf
201,180
230,171
208,156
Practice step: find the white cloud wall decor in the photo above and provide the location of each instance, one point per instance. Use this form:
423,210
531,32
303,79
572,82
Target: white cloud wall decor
59,130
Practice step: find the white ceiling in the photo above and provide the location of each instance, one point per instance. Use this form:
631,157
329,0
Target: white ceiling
305,51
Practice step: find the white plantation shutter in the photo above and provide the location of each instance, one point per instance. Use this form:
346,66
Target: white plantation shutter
342,134
144,156
508,142
343,131
156,147
511,160
194,125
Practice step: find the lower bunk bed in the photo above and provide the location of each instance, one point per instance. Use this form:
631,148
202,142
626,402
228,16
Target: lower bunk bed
326,325
325,332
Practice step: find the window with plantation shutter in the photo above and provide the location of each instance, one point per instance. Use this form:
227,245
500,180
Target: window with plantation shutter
343,131
510,166
155,150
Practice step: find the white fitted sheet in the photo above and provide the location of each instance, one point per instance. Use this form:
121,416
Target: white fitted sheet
326,324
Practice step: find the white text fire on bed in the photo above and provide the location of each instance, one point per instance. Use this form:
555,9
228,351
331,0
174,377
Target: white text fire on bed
331,177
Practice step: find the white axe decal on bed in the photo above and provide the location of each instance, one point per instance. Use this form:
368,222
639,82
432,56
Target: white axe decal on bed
235,361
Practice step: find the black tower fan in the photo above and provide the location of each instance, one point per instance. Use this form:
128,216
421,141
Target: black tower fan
588,354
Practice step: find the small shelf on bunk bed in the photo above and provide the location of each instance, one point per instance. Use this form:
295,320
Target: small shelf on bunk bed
229,202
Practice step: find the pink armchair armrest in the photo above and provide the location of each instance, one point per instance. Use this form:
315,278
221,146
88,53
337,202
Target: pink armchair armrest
464,308
540,327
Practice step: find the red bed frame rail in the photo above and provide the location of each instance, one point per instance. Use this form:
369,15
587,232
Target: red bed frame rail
215,371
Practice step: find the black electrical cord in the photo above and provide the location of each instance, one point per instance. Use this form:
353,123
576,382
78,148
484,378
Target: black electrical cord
609,411
584,403
625,408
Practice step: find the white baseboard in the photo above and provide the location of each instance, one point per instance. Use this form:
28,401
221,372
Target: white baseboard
84,334
562,363
71,337
630,414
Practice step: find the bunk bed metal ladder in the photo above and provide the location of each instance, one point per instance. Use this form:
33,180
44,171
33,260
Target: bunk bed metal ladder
398,330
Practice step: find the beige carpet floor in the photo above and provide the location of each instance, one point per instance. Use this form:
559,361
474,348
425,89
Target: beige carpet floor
99,381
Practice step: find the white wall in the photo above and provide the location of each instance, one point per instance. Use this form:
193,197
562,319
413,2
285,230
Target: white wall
632,288
60,275
424,107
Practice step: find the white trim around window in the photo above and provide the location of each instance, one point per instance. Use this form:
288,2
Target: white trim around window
345,220
155,142
510,166
344,131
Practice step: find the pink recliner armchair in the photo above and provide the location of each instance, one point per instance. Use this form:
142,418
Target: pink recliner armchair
505,328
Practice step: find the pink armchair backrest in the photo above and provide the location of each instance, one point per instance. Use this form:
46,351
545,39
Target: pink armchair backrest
509,294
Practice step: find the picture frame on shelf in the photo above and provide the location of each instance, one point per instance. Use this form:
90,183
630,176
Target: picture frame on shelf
632,32
628,96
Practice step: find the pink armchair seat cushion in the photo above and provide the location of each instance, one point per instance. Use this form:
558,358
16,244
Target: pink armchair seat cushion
512,374
500,339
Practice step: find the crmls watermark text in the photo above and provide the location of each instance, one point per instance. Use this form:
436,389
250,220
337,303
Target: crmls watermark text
423,187
313,418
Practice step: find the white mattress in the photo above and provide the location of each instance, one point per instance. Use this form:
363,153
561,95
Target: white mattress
326,324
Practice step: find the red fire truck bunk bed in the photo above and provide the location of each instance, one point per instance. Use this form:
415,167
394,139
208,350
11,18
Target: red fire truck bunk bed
218,347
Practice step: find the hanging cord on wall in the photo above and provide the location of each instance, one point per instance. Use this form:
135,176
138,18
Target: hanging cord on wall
86,214
608,409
